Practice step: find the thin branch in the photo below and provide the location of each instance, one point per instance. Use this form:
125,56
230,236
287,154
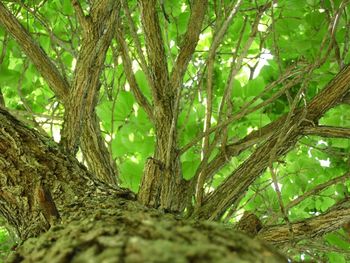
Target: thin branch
247,109
223,157
189,43
136,40
36,54
237,62
139,96
318,189
187,49
158,68
223,29
207,149
4,47
201,171
327,131
283,209
84,21
337,216
54,38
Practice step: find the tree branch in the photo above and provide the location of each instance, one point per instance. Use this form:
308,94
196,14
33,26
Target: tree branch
84,21
337,216
139,96
327,131
158,68
189,43
333,94
249,107
36,54
94,150
133,32
201,172
97,36
318,189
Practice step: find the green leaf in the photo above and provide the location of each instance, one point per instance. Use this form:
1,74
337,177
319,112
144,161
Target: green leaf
182,22
142,82
123,106
8,76
335,239
131,172
104,112
254,87
336,257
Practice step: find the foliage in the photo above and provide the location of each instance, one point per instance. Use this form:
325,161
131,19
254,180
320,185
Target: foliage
5,243
277,54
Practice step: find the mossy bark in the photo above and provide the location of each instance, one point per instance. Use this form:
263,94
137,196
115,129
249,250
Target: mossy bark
110,229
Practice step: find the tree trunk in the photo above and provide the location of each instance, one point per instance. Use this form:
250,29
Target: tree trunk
110,229
63,214
162,185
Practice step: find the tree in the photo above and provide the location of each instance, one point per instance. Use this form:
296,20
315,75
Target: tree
229,111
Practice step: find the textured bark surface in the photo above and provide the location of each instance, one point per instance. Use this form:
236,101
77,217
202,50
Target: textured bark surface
42,188
98,31
37,180
95,152
109,229
168,176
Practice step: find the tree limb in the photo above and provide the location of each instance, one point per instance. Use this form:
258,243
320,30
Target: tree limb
189,43
327,131
133,32
97,36
96,148
337,216
139,96
318,189
36,54
84,21
157,61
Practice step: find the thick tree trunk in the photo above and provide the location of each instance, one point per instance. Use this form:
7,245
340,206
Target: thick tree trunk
108,229
162,184
38,180
63,214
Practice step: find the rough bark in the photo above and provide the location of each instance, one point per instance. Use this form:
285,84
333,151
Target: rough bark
35,178
107,229
36,54
62,214
95,152
328,131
